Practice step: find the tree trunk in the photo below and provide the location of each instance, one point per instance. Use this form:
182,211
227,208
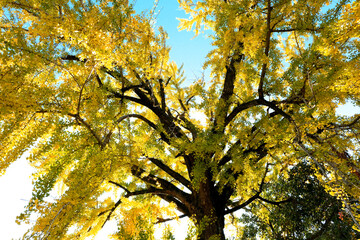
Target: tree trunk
210,227
209,212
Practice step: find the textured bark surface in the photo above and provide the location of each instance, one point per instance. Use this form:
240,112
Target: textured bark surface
209,211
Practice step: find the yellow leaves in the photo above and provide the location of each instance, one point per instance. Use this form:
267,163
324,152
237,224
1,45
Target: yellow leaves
21,136
199,15
196,20
185,24
138,220
350,20
77,68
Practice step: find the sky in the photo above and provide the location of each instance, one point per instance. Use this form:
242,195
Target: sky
185,49
15,185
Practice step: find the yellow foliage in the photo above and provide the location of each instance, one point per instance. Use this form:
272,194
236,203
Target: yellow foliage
88,88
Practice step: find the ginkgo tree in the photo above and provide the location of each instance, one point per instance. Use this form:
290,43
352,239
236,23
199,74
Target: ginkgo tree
87,88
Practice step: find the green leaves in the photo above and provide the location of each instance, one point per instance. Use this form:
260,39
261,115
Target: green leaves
311,213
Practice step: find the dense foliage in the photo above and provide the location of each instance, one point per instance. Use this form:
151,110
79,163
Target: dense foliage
310,213
87,88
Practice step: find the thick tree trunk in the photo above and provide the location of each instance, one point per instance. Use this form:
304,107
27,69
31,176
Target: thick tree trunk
209,212
210,227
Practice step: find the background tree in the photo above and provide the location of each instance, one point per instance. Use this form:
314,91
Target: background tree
312,213
87,87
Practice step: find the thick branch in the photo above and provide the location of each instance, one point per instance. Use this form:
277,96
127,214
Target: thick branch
276,109
239,108
228,88
162,94
73,58
151,124
166,187
171,172
227,157
153,100
267,48
165,118
189,126
261,151
130,98
230,76
152,190
179,205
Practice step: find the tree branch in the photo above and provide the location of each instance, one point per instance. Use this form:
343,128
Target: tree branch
73,58
275,202
111,212
228,190
82,89
130,98
137,192
171,172
189,126
159,192
267,48
296,29
27,8
151,124
240,206
263,179
162,220
348,125
182,207
227,157
323,227
276,109
151,103
228,88
239,108
91,130
162,94
166,187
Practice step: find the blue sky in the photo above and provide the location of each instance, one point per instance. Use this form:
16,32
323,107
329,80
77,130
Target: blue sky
185,49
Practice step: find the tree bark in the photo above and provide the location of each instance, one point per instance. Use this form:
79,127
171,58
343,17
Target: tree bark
210,227
209,211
